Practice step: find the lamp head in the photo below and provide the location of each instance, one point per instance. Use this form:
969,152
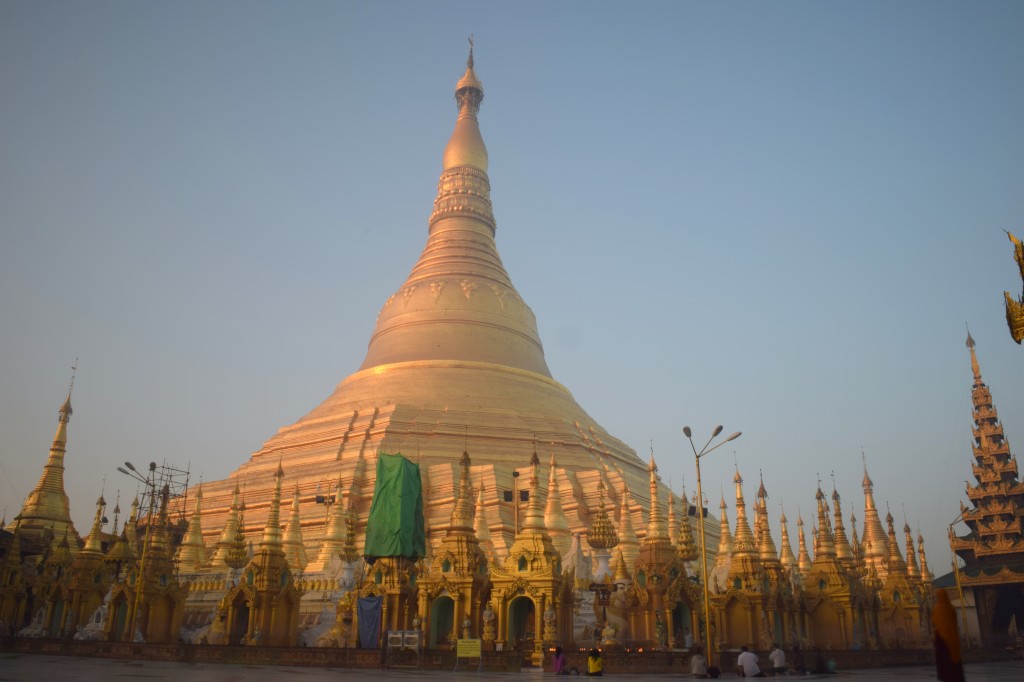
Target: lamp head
687,432
123,470
129,465
733,436
152,465
718,430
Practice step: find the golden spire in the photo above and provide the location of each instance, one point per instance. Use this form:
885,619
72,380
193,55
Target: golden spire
743,543
896,563
629,545
350,552
466,146
227,537
687,547
926,575
657,531
602,534
554,515
673,518
824,546
459,285
272,531
765,544
333,542
462,511
294,547
855,546
534,511
192,552
725,542
876,547
131,526
621,570
93,543
786,556
47,507
238,552
803,558
844,552
482,530
912,571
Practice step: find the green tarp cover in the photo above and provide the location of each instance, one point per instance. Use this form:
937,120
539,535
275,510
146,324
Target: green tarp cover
395,526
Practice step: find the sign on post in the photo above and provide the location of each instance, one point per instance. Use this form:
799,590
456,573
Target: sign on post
469,648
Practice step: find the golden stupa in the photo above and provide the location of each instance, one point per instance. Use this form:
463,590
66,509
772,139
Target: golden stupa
455,363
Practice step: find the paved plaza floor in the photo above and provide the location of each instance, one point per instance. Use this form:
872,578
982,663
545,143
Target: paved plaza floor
28,667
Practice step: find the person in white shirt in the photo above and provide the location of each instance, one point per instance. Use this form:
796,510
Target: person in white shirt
698,664
777,659
746,664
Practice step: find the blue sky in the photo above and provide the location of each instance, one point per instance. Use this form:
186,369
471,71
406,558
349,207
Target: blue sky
774,216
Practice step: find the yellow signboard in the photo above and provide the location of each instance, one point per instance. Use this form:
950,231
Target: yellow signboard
468,648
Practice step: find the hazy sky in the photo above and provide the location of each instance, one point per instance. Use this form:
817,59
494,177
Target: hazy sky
774,216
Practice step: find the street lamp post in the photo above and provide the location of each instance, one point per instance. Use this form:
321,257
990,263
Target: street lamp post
150,482
700,511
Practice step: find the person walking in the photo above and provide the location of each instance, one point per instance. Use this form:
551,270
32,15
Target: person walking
595,666
777,660
746,664
698,664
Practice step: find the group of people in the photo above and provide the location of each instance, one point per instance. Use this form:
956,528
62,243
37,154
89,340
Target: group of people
746,663
595,665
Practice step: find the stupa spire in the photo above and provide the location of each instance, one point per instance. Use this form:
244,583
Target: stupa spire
725,541
47,506
333,543
744,539
227,536
294,547
844,552
765,543
93,543
896,563
686,545
459,287
482,530
913,572
462,511
824,545
534,510
554,515
926,575
629,544
271,534
786,556
192,552
673,518
876,546
803,558
657,530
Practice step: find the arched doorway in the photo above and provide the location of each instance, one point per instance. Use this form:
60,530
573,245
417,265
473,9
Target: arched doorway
522,617
682,621
120,618
442,620
56,618
239,619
